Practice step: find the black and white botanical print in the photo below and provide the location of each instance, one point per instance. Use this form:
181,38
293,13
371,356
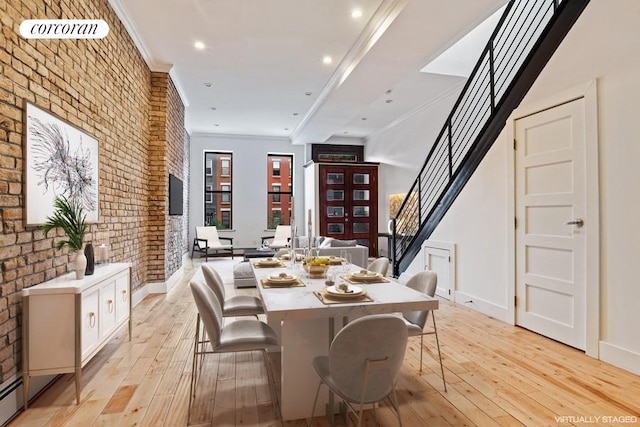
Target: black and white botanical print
61,160
64,170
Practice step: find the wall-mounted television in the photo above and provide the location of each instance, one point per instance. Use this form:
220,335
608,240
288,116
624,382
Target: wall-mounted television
175,195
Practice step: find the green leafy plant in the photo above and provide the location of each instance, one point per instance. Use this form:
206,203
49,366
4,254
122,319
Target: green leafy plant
69,215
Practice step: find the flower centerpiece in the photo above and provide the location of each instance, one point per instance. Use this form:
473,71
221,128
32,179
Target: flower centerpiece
70,216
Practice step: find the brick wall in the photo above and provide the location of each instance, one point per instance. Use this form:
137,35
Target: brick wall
103,87
166,156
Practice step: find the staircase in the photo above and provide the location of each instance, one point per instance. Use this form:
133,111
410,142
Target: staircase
524,40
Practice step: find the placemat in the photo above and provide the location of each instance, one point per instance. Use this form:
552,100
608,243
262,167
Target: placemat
258,265
267,285
326,299
365,282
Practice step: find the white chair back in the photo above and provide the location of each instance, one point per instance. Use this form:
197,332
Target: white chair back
425,282
366,355
214,281
209,309
380,265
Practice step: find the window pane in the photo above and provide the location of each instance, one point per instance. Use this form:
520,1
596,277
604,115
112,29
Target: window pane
335,195
279,185
360,194
335,178
217,190
335,211
335,228
360,178
275,219
360,227
218,212
361,211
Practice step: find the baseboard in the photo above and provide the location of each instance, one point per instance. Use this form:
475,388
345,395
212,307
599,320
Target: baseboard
166,286
620,357
483,306
11,391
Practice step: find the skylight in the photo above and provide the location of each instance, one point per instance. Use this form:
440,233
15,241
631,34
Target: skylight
461,57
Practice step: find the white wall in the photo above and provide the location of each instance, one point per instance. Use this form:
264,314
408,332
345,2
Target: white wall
249,182
402,149
603,45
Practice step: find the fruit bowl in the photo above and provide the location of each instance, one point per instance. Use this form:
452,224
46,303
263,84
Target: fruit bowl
316,271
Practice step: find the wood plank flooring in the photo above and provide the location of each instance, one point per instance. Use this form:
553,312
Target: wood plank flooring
497,375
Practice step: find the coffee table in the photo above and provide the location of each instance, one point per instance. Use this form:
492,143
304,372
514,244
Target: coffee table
258,253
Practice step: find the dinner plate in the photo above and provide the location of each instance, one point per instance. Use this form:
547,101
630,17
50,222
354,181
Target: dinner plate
281,280
364,276
353,291
336,260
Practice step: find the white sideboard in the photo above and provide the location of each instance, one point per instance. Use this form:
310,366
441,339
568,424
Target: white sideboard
66,321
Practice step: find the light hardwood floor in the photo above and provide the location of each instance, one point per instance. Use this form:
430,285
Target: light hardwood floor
496,374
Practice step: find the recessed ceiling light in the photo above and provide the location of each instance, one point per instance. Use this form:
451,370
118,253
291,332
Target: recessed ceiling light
327,60
356,13
308,93
198,45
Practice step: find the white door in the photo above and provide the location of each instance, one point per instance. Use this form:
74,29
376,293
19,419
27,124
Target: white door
439,257
552,223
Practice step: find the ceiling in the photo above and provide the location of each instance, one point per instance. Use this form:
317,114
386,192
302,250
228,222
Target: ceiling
261,71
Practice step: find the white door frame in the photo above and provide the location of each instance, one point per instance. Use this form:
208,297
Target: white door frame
588,91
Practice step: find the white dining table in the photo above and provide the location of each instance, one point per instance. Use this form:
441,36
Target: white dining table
306,326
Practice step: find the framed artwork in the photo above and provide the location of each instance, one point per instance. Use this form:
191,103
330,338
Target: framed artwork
60,160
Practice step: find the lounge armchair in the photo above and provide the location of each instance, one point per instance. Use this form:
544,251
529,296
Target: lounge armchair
207,239
281,239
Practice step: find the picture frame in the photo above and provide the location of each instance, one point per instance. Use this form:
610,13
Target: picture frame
60,160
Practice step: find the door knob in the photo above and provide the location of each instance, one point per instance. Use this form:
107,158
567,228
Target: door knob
578,222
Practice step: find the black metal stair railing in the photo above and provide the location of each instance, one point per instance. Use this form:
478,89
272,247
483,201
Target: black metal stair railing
524,40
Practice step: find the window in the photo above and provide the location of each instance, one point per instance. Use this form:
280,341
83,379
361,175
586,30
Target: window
225,193
208,194
279,189
226,219
225,166
217,190
275,167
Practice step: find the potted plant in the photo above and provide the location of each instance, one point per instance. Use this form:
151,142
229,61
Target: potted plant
69,215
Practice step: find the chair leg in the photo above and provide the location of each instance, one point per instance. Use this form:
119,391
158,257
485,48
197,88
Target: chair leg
421,350
272,382
194,368
315,401
396,406
444,383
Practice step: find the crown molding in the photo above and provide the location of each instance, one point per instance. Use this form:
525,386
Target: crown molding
122,12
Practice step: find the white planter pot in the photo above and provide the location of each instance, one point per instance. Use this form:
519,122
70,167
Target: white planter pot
80,264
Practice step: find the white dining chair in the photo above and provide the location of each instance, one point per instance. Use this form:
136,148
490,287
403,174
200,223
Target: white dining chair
379,265
236,336
425,282
364,361
237,305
